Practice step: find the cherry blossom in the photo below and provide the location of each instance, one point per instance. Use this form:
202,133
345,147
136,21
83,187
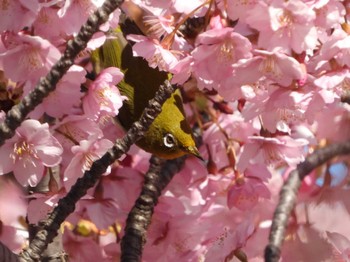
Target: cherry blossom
249,188
66,95
81,247
10,10
215,53
271,150
27,57
103,95
75,12
288,25
341,245
29,152
84,154
153,52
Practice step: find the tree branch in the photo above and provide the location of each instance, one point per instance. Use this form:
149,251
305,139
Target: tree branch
48,84
288,195
66,205
158,176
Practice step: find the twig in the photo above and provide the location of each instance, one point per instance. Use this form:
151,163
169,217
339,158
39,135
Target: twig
289,193
66,205
48,84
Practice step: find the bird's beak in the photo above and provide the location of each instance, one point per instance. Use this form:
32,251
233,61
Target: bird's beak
194,151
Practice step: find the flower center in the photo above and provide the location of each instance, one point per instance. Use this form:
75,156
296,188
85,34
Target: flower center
269,66
285,19
226,52
31,60
23,151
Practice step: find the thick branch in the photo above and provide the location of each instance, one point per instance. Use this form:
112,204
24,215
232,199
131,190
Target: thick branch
48,84
66,205
158,176
288,195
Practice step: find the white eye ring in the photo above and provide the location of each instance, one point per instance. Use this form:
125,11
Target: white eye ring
169,140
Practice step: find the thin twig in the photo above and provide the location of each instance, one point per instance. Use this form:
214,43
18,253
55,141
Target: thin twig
46,85
288,195
66,205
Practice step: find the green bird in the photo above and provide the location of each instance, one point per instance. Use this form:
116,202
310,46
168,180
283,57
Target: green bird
170,135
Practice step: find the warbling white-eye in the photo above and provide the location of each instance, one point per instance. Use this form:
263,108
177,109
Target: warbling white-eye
170,135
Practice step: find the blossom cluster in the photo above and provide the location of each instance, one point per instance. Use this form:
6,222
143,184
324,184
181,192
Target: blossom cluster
265,80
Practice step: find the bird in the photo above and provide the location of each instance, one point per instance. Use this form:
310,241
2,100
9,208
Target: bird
170,135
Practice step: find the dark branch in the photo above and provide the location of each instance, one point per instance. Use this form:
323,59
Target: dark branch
158,176
48,84
288,195
66,205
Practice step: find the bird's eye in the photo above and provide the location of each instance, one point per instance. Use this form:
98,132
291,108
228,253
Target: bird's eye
169,140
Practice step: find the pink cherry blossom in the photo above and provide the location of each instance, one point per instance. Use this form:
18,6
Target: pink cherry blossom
81,248
75,12
73,129
155,7
11,10
183,6
103,95
169,234
279,67
336,81
159,25
284,108
238,9
84,154
229,241
66,95
96,41
249,188
182,70
153,52
303,238
288,25
42,204
28,153
123,185
337,127
275,67
11,211
328,14
91,209
271,150
10,237
46,19
235,130
341,245
13,233
215,53
334,48
27,57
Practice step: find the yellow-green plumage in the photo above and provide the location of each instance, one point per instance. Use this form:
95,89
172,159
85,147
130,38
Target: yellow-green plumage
170,135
